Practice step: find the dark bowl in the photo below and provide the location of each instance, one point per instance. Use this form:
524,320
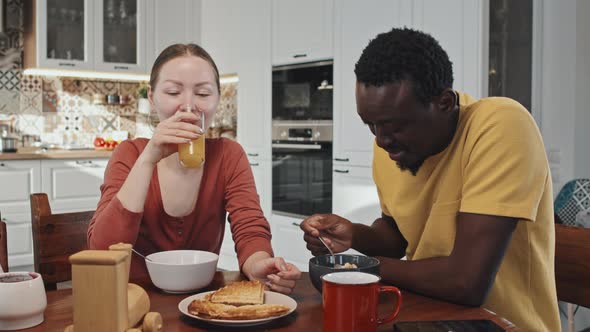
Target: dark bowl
320,265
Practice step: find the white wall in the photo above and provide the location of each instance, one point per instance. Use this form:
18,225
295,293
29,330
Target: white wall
582,113
559,86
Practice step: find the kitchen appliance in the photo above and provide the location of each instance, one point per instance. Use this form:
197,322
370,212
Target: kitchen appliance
8,143
302,91
301,167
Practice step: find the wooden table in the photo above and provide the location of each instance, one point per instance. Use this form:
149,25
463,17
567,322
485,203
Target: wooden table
307,317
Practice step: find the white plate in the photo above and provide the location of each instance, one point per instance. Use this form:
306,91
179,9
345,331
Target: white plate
269,298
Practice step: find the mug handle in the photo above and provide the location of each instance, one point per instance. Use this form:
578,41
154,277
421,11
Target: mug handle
398,294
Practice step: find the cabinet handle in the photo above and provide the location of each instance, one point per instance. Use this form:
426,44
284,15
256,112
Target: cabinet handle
254,164
86,163
2,165
341,159
344,171
253,154
300,56
121,67
67,64
296,224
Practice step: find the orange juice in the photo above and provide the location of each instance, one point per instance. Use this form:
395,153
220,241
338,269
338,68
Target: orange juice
192,154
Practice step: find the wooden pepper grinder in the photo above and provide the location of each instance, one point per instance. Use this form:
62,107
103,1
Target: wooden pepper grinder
104,300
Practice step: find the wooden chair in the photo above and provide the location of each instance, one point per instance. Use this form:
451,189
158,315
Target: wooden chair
55,238
572,267
3,247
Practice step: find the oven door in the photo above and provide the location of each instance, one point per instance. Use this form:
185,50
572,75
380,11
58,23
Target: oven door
301,178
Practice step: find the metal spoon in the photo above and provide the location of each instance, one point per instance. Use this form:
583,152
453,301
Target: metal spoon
330,250
137,252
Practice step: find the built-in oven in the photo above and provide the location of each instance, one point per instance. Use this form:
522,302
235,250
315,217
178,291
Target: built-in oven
301,167
302,91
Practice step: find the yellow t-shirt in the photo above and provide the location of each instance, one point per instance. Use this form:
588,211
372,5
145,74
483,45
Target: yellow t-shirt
495,165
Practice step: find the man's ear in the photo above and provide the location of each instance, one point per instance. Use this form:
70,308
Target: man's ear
447,100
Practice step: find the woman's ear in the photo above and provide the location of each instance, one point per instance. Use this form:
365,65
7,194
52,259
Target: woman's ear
150,95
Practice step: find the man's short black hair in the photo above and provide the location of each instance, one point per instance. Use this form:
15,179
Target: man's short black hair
410,55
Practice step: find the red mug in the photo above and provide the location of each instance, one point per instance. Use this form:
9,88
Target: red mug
350,301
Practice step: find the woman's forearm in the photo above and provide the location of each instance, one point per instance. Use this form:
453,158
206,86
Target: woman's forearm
248,269
134,190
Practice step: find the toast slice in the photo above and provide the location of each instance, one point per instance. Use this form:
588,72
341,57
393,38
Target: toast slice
210,310
239,293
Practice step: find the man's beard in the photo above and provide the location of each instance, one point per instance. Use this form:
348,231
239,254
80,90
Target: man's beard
411,168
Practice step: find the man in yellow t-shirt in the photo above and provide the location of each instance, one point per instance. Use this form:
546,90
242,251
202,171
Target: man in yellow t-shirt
464,186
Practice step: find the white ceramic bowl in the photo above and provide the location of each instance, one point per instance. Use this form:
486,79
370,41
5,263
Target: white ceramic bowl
181,271
22,300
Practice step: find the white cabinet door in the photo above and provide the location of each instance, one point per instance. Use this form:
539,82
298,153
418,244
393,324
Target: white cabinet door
228,260
171,22
357,22
120,35
287,241
20,178
72,185
241,45
355,195
64,34
262,176
302,30
458,26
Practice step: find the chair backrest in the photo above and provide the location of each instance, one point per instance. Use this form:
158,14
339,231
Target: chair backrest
572,264
3,247
55,238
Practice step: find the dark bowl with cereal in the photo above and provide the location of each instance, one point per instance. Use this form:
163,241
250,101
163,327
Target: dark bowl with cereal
320,265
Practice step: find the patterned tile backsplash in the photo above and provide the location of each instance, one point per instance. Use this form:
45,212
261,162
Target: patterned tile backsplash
62,110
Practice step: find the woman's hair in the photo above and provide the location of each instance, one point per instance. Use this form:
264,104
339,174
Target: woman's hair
177,50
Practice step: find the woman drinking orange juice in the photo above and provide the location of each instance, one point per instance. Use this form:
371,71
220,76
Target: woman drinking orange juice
150,199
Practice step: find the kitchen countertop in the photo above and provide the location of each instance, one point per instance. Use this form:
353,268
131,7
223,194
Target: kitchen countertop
30,153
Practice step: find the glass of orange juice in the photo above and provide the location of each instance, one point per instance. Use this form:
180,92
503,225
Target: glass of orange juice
192,154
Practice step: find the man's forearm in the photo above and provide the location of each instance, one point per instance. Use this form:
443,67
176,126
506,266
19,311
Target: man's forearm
436,277
379,239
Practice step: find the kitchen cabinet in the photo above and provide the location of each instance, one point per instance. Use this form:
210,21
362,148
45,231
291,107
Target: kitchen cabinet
19,178
228,260
302,30
241,46
171,22
355,195
456,24
120,34
72,185
103,35
287,241
356,24
64,36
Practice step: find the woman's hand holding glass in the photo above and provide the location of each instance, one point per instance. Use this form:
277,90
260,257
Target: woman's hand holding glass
177,129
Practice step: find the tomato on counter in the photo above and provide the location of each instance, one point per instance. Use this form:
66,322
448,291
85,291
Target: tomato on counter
99,142
105,144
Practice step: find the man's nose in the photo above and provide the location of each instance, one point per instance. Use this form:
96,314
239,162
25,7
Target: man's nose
382,137
383,141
